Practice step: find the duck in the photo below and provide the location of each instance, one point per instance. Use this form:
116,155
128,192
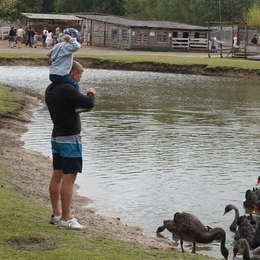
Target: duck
187,227
258,180
247,255
228,208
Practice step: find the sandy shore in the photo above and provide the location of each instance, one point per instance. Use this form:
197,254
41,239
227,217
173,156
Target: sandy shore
30,172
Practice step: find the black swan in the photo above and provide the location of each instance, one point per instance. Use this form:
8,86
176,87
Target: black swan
247,255
187,227
258,180
256,239
248,226
228,208
256,207
251,197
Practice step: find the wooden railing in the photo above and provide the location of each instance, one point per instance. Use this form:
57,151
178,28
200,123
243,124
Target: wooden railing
190,43
4,31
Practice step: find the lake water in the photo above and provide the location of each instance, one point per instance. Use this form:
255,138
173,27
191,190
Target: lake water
160,143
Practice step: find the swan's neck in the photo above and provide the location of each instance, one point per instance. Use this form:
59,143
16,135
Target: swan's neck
246,254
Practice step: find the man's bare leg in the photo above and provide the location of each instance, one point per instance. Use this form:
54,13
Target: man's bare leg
66,192
54,189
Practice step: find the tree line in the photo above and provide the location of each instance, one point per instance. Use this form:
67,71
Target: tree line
196,12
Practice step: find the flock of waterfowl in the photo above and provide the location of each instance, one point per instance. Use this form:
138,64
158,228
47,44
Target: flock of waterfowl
187,227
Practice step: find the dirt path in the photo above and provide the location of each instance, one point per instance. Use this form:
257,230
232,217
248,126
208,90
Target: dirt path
98,50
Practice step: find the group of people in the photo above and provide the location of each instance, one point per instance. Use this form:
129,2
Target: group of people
214,44
50,38
65,101
17,37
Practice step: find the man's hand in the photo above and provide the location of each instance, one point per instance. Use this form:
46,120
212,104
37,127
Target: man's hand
92,90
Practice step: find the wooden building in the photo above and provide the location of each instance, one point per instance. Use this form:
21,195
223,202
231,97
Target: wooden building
123,33
119,32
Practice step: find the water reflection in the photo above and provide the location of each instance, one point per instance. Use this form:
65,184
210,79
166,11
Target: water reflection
160,143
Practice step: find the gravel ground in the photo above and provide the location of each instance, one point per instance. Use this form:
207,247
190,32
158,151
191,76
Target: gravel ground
4,47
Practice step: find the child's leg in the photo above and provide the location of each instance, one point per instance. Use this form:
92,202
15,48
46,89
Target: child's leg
57,78
69,80
64,79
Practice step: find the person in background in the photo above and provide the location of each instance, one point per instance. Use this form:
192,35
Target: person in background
254,39
15,37
58,35
54,40
44,33
235,43
213,43
61,99
35,39
49,39
32,37
20,33
29,37
12,35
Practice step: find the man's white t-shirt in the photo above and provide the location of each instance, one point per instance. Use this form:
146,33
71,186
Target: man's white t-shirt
19,32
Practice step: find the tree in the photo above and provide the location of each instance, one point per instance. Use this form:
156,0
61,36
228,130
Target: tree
175,10
114,7
188,11
47,7
141,9
71,6
7,7
252,17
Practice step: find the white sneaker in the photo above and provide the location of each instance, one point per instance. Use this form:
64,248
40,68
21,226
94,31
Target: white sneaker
71,224
54,219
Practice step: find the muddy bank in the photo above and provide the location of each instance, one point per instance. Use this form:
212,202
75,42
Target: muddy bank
94,63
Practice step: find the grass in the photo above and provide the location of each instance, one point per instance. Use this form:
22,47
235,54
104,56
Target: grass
27,235
10,102
211,63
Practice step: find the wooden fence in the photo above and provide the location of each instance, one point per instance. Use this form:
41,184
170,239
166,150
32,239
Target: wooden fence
4,31
190,44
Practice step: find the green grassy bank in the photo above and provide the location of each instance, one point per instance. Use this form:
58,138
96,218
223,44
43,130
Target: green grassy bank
210,65
25,233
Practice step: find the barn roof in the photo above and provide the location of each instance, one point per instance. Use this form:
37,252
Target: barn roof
138,23
51,16
117,20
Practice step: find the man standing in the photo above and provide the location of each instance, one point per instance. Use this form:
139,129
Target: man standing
61,100
254,39
19,34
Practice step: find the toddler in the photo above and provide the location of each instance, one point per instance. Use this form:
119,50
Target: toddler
62,58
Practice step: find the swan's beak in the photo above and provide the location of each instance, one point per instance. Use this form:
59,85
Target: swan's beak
255,210
224,213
